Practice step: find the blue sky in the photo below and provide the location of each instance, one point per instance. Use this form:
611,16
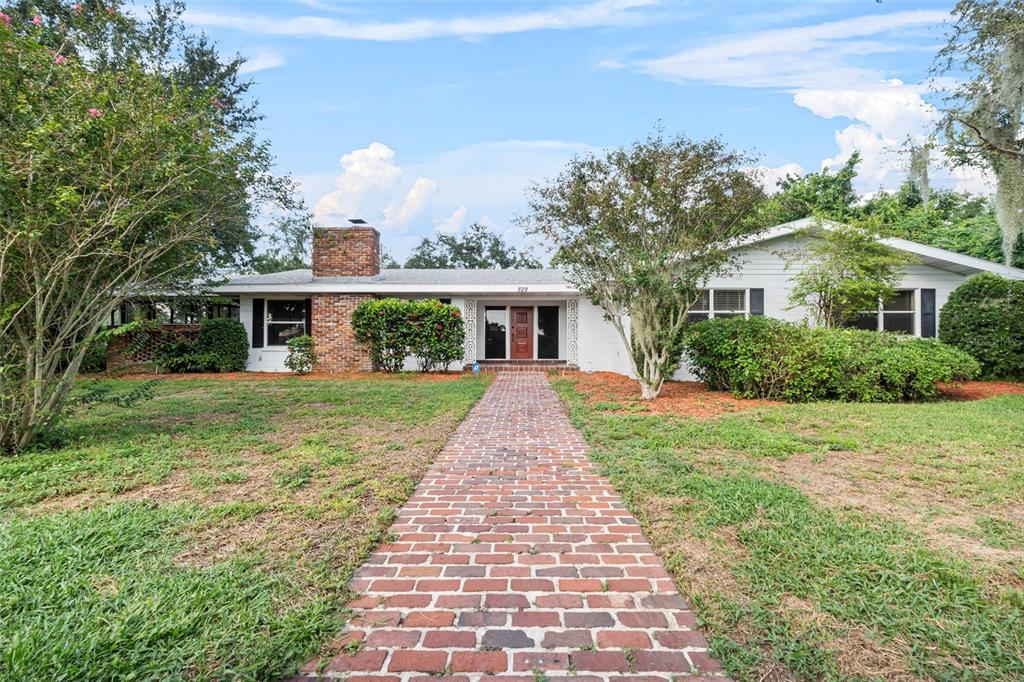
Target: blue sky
426,116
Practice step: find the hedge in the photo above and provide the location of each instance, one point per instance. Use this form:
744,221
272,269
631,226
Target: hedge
221,346
394,329
767,358
985,317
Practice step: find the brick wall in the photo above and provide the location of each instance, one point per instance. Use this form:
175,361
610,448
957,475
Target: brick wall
333,336
341,251
144,350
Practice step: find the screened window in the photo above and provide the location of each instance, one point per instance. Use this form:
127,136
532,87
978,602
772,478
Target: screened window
547,332
898,314
495,330
286,320
719,303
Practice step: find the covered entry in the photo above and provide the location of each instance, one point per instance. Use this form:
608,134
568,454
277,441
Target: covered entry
521,331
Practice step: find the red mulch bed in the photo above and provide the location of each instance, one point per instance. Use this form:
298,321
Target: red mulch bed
692,399
689,398
978,390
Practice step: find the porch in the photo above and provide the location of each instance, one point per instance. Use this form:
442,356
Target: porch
516,333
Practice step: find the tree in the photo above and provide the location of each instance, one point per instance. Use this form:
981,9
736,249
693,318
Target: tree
983,108
641,229
843,272
115,183
478,247
823,194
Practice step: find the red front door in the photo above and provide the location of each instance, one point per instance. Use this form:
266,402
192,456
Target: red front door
522,333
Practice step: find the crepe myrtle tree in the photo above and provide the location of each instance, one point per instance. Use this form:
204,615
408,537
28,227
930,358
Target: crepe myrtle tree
641,229
114,184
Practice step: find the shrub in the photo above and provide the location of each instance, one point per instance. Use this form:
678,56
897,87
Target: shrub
985,317
437,334
221,346
393,329
766,358
301,356
95,359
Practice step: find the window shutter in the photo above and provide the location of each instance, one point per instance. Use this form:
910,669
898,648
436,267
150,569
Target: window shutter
257,323
928,313
757,301
309,317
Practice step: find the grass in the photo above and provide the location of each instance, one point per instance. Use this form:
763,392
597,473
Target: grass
836,542
209,532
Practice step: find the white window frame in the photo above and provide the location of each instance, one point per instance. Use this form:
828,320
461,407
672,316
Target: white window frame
267,322
710,311
880,311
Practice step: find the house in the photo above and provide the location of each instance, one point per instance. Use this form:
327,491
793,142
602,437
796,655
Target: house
534,317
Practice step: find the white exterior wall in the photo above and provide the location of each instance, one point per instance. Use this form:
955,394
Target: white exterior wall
760,267
268,358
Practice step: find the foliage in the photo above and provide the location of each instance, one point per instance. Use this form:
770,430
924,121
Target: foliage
221,346
795,511
437,335
843,271
95,358
393,329
141,568
762,357
477,247
641,229
980,70
301,355
984,316
821,194
117,179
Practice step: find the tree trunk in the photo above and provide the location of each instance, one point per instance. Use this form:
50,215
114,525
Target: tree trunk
649,391
1010,205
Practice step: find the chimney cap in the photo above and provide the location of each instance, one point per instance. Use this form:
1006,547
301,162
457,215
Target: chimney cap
357,221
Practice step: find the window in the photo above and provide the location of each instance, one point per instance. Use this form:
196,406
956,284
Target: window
719,303
446,301
547,332
286,320
496,324
898,315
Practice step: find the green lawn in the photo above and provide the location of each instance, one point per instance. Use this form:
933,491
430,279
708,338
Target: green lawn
210,532
833,541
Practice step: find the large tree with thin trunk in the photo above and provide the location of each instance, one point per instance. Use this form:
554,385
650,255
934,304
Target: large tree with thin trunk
982,70
641,229
115,183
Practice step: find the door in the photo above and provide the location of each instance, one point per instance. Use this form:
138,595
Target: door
522,333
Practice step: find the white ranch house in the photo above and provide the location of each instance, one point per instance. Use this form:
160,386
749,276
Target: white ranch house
533,317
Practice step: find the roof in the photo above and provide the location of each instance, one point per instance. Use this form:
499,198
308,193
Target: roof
406,280
928,255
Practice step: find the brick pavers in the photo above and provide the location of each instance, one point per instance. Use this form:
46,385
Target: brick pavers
514,560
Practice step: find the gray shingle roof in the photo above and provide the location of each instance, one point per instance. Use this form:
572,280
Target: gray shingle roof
410,276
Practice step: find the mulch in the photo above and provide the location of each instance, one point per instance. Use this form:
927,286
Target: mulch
689,398
979,390
693,399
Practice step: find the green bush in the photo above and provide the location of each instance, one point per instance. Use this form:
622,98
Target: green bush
95,359
437,334
393,329
767,358
985,317
221,346
301,356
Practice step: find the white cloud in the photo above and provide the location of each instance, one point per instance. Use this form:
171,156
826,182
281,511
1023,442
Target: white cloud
613,64
815,56
600,13
366,175
261,61
412,205
455,222
770,176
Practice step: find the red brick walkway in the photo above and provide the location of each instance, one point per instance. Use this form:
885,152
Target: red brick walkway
514,560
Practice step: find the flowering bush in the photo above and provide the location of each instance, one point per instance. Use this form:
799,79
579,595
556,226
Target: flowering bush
393,329
301,356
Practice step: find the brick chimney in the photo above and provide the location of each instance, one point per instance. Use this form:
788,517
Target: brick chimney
346,251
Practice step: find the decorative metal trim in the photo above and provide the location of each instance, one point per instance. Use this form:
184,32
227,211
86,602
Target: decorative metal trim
469,344
572,328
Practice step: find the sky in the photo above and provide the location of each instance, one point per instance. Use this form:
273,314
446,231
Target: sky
424,117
